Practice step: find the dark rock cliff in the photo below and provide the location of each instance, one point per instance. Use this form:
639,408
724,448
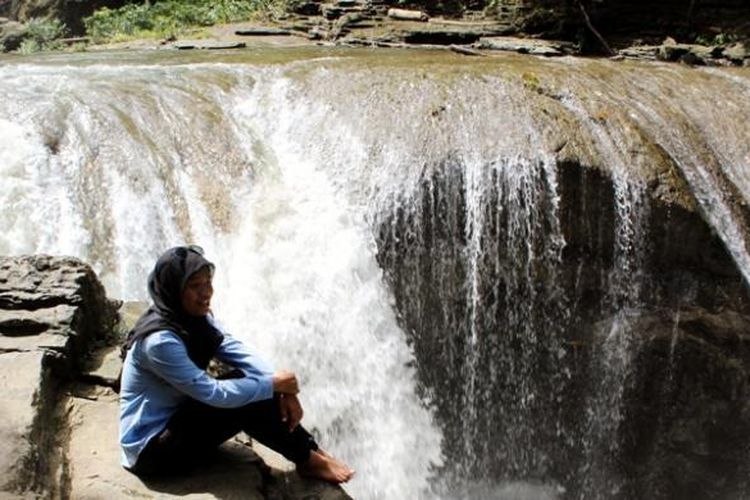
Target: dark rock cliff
617,378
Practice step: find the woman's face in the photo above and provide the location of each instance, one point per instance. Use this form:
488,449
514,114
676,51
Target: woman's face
196,297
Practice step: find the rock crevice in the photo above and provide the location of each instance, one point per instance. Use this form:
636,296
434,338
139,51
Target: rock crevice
52,310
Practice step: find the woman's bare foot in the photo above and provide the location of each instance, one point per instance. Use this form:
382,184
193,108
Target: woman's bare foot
323,466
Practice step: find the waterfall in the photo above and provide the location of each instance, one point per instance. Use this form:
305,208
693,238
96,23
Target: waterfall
458,258
140,158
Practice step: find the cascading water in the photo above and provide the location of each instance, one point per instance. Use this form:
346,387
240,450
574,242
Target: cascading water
456,257
614,354
137,167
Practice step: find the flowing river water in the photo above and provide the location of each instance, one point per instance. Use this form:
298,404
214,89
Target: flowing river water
395,227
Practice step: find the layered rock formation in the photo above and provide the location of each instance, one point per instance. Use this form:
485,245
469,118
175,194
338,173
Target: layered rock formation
52,312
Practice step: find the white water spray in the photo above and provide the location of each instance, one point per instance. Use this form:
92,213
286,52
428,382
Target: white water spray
305,286
123,179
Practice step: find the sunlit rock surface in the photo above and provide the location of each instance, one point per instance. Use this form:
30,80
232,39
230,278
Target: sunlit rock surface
52,310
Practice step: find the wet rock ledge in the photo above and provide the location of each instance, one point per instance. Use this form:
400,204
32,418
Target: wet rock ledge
58,421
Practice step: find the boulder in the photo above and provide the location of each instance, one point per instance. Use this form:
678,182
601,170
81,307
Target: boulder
689,53
671,52
53,304
342,24
12,34
736,53
306,8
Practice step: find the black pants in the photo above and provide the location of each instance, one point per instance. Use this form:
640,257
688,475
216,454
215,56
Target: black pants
197,429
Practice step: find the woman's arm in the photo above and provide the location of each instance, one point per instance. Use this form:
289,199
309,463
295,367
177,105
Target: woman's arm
167,357
236,354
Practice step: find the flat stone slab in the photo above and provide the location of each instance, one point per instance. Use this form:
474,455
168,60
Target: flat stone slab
262,31
640,52
535,47
94,461
407,15
490,26
468,29
206,45
736,52
435,33
41,343
237,472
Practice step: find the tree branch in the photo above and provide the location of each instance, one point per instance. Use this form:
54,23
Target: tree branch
593,30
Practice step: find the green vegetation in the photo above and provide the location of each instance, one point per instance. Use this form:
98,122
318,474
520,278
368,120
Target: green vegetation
42,34
170,18
531,82
719,39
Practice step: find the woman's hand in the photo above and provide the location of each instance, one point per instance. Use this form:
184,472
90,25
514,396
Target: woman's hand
291,410
285,382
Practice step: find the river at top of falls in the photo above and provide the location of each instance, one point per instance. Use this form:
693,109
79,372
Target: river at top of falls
282,164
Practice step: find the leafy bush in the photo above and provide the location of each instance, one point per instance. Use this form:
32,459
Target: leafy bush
718,39
171,17
42,34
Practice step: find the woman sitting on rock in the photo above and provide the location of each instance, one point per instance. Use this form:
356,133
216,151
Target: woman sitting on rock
173,413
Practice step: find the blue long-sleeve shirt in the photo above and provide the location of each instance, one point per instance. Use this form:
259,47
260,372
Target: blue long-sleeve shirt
158,376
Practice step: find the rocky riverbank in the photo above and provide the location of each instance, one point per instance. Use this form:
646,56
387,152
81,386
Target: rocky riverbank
58,360
380,23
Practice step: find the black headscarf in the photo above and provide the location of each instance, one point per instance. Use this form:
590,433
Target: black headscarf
165,285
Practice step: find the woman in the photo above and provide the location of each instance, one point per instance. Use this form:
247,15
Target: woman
172,413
